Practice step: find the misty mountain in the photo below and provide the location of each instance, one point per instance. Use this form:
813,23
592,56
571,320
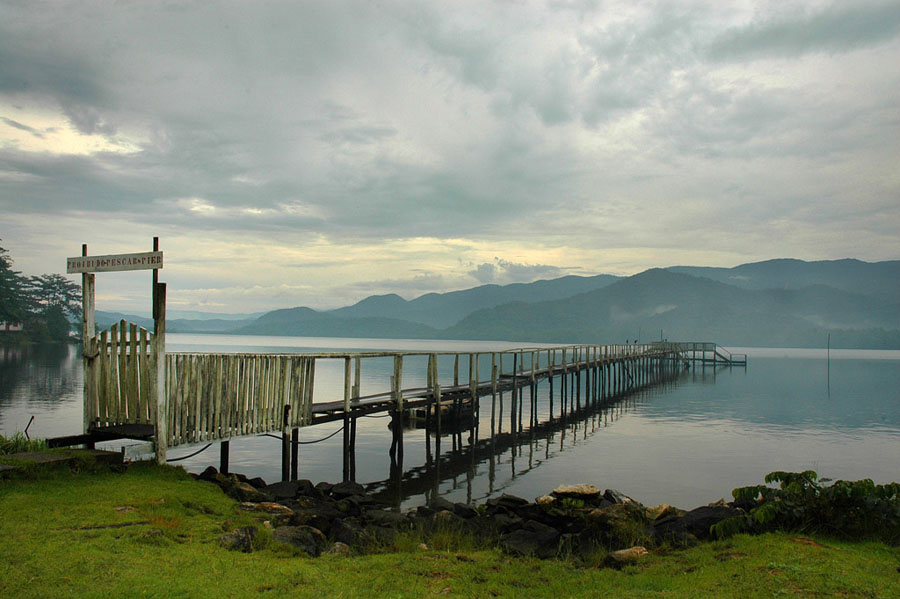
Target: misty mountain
106,319
689,308
880,279
440,310
310,323
772,303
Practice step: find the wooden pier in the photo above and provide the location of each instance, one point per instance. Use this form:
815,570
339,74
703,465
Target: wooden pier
218,397
134,388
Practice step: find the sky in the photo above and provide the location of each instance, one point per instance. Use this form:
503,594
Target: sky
314,153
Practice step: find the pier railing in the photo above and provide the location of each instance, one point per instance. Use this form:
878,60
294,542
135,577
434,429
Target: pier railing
219,396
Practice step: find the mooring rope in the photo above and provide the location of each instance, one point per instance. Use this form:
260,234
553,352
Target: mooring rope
304,442
184,457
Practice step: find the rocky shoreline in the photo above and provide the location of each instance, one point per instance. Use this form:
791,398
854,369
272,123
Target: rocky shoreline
573,520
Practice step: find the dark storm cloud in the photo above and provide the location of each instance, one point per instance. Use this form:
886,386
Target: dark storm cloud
21,127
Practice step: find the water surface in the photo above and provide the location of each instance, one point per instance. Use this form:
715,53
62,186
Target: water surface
686,442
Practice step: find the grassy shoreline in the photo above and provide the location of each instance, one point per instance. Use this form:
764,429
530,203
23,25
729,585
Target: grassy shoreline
153,532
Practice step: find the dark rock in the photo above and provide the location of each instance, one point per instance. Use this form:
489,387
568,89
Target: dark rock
326,509
346,531
504,522
504,503
305,488
439,504
617,497
530,511
308,539
425,511
619,525
533,539
257,483
209,474
239,539
562,521
286,489
346,489
245,492
387,518
464,510
314,519
324,488
581,543
604,502
378,535
696,522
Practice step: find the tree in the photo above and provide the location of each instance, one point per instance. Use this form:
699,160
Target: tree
56,291
45,304
14,299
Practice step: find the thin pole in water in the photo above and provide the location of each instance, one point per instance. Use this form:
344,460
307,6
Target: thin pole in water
828,362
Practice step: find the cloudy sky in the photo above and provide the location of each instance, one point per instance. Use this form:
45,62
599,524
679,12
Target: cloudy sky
314,153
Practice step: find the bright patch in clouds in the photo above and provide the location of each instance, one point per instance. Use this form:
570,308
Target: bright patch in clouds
40,131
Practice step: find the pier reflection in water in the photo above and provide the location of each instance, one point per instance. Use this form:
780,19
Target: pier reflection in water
487,451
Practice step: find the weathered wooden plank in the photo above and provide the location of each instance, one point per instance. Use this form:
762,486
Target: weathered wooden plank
310,386
102,397
146,411
113,390
133,401
206,398
123,373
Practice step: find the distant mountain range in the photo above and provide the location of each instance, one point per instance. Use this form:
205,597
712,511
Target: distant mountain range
774,303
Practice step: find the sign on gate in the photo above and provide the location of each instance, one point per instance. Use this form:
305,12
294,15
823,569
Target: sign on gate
115,262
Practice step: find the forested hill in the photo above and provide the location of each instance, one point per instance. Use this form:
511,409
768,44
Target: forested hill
678,306
442,310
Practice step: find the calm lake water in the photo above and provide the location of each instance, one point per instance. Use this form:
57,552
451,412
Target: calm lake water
686,442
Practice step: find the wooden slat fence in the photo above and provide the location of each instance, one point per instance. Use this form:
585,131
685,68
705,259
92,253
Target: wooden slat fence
121,376
218,396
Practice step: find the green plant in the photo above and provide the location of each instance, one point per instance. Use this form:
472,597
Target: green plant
571,503
19,443
802,502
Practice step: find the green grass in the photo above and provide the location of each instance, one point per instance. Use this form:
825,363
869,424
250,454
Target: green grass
57,539
19,443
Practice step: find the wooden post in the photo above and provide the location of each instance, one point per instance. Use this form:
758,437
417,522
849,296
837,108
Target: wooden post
89,347
515,393
160,425
436,394
223,456
398,382
347,391
155,312
286,444
295,453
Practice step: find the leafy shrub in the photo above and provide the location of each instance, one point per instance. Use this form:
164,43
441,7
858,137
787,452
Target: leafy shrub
802,502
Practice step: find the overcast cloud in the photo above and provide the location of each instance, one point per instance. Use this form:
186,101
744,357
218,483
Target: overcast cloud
313,153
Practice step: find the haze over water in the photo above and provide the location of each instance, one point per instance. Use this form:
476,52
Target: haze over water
686,443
